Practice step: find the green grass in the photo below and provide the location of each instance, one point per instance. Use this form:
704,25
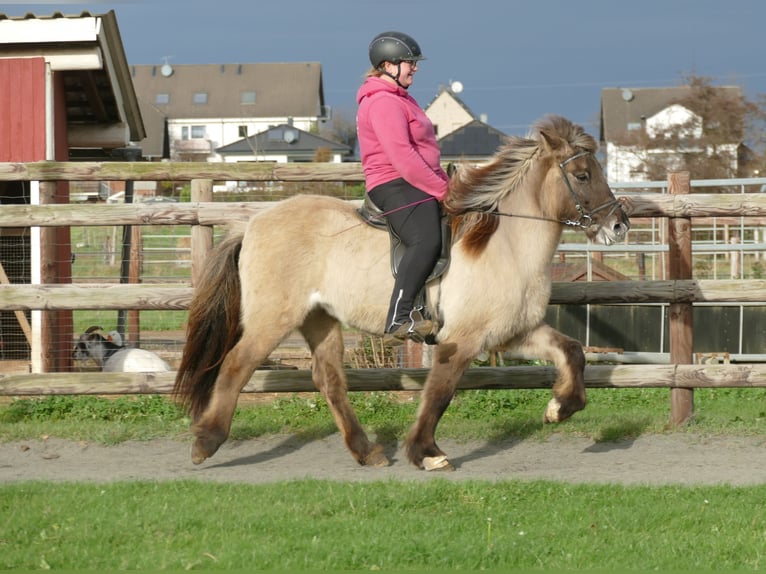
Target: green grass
323,525
611,415
385,525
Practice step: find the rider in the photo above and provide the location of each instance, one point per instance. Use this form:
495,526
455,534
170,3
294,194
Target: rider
403,174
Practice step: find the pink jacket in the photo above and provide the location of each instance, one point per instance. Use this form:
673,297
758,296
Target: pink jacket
396,139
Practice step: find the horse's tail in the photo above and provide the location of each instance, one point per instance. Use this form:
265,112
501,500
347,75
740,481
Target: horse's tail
213,327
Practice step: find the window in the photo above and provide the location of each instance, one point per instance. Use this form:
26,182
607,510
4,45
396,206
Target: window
162,99
197,132
247,98
243,131
184,132
200,97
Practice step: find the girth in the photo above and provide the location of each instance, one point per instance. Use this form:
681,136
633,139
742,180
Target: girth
372,215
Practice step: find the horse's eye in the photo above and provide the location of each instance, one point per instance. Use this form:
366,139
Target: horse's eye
582,177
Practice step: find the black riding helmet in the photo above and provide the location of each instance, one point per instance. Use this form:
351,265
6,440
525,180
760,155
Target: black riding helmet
393,47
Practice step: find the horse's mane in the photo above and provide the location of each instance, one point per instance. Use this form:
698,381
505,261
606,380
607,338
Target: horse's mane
477,190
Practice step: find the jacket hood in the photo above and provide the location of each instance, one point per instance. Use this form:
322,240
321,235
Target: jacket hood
374,85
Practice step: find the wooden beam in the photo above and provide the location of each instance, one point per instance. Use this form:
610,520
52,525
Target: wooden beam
680,313
299,381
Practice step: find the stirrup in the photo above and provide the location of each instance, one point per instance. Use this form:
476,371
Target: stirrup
416,330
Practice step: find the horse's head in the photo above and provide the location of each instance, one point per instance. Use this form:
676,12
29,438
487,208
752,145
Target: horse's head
583,197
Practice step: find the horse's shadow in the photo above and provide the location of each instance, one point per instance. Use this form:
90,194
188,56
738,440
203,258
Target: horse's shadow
385,436
506,435
290,443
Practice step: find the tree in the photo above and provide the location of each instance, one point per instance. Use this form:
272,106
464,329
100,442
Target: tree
721,138
341,129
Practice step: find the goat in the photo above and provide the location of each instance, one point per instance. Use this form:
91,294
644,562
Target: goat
109,354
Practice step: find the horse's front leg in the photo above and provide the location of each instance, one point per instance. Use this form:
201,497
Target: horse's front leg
567,356
449,364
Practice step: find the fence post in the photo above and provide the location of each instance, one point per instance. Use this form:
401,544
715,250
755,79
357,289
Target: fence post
201,235
680,267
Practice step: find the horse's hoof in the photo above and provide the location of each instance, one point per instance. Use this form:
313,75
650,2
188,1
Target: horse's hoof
204,448
432,463
552,412
376,459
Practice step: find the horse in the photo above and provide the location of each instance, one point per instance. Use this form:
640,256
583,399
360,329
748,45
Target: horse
309,263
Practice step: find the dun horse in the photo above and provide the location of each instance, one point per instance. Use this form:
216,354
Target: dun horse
307,263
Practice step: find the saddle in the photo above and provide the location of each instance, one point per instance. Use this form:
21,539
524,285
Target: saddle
372,215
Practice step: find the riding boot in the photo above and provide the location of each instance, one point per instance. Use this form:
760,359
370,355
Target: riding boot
416,328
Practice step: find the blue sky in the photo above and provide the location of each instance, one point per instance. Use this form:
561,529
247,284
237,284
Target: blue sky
517,60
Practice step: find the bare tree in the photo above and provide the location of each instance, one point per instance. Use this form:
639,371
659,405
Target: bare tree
341,129
723,139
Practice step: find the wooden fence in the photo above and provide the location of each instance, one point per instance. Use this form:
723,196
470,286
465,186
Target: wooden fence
681,291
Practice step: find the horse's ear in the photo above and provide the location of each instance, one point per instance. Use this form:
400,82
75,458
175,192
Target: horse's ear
551,140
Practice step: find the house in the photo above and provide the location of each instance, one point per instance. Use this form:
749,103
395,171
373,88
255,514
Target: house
474,142
193,110
282,144
636,123
460,134
447,112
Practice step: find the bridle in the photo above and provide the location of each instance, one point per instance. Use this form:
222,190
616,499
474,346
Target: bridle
584,218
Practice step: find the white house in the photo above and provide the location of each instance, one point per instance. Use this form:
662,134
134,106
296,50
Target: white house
631,117
192,110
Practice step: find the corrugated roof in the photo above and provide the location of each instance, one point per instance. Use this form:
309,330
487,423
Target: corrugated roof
623,107
92,96
281,89
273,141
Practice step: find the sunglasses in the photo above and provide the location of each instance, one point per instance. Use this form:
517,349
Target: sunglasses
412,63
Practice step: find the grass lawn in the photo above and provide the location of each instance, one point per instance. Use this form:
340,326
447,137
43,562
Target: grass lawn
385,525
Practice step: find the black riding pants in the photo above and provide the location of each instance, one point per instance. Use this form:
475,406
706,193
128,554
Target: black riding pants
415,217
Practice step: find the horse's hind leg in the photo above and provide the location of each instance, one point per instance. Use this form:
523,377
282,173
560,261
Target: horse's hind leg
213,425
568,357
325,339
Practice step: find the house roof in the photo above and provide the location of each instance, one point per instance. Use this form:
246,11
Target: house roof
87,51
274,89
624,108
474,140
283,139
447,91
564,272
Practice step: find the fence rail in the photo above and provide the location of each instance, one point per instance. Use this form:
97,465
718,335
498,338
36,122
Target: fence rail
296,381
216,213
24,297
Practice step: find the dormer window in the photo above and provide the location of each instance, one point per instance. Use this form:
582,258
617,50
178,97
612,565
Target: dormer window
200,98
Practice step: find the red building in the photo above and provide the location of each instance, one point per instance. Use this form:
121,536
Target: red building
65,94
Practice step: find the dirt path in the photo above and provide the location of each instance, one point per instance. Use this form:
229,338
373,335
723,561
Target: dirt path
651,459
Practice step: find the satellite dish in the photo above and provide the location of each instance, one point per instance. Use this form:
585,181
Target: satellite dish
456,87
290,136
166,70
627,95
